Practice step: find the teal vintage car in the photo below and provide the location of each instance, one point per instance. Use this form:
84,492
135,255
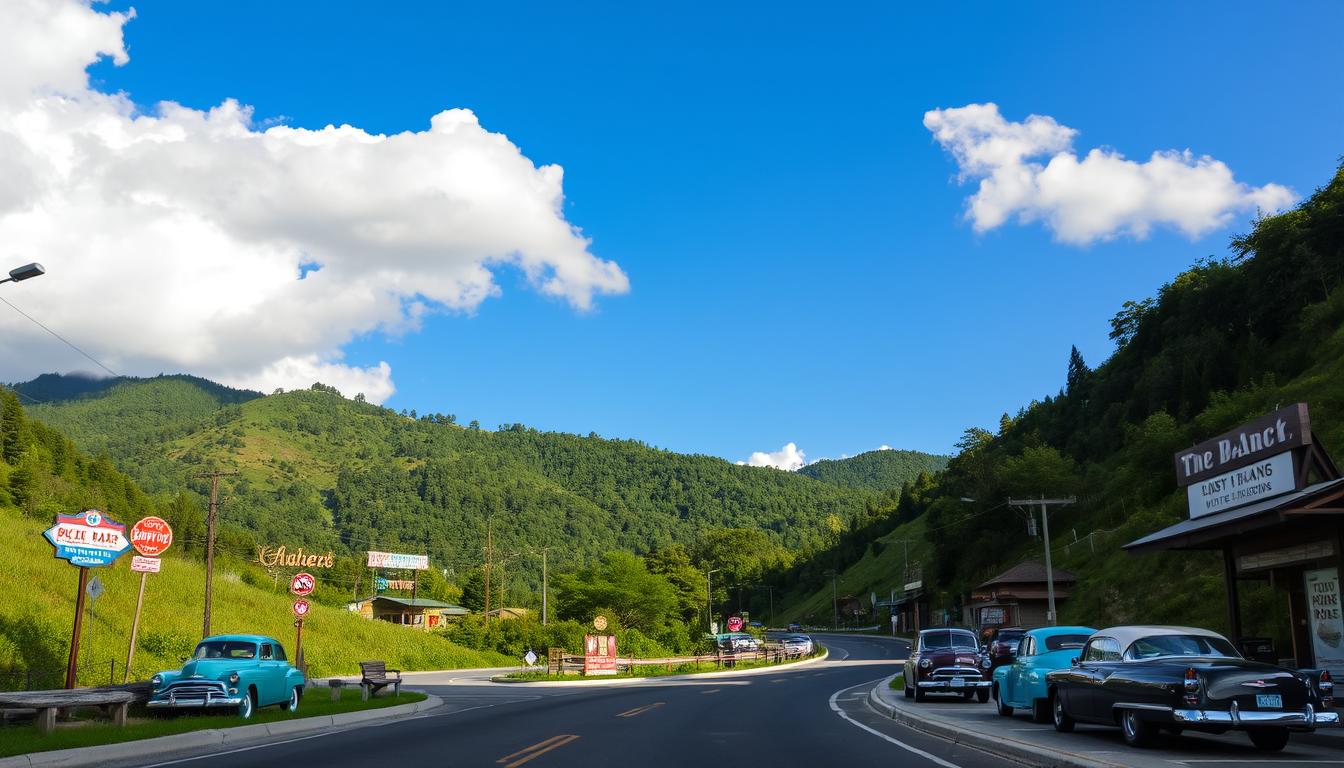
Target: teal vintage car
1021,683
242,672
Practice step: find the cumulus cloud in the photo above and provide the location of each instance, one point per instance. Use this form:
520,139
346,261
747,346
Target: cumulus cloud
788,458
1028,170
182,239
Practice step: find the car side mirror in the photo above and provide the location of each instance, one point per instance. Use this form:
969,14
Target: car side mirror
1073,661
182,660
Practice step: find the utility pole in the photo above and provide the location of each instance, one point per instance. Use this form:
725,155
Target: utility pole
489,553
905,573
709,598
210,519
543,551
1045,504
835,607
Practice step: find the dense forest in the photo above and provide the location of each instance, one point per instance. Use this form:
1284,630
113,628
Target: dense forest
1225,341
882,470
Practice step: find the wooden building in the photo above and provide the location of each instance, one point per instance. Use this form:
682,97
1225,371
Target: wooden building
1018,597
420,613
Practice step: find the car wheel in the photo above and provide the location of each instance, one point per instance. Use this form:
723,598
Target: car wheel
919,693
909,691
248,706
968,695
1063,723
982,695
1138,732
294,695
1004,709
1269,739
1040,710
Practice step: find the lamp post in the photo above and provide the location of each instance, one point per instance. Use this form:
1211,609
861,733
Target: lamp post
19,274
709,598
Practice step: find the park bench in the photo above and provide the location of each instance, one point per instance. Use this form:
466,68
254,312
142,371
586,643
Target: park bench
374,678
113,702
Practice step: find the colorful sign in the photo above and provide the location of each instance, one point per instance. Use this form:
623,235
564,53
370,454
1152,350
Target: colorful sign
734,623
1275,433
302,584
1255,482
145,564
398,561
301,607
1327,621
279,556
88,539
401,584
599,655
599,623
152,536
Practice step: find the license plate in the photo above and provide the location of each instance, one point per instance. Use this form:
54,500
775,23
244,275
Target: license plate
1269,701
957,682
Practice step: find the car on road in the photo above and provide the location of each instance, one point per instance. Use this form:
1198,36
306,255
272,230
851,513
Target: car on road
797,645
795,627
946,660
1001,645
1148,678
241,672
1020,684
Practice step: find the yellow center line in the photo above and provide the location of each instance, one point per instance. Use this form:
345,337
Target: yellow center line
640,710
536,750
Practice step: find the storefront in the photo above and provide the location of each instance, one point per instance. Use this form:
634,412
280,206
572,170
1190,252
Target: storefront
1270,498
1017,597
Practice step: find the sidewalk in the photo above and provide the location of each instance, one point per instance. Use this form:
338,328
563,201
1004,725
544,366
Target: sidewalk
1018,738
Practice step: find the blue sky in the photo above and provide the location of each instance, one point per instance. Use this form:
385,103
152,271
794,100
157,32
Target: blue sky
800,267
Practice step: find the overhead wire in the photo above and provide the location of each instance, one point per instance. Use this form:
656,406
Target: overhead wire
63,340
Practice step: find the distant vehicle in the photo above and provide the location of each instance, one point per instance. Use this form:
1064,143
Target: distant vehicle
1001,645
946,660
795,627
1146,679
797,645
236,671
1020,684
756,624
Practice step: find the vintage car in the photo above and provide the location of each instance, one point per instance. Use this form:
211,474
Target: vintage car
237,671
1001,644
1020,684
946,660
1147,679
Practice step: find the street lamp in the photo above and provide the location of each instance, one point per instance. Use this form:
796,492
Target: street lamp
19,274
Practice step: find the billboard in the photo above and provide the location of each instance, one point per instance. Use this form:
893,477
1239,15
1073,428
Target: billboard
398,561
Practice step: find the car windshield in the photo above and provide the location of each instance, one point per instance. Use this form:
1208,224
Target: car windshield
1061,642
944,640
225,649
1009,637
1155,646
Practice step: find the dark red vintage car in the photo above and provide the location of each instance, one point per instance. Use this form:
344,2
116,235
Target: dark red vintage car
1001,646
946,660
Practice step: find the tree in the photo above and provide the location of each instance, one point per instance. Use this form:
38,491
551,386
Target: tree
1078,372
621,583
473,591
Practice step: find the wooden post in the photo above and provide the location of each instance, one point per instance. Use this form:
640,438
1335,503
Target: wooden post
1233,598
135,628
298,644
72,665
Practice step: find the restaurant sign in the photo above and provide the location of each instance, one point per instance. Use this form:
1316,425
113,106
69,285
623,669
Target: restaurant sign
88,539
1255,482
398,561
1276,433
1327,620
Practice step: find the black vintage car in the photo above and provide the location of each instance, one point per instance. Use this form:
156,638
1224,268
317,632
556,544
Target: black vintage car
1147,679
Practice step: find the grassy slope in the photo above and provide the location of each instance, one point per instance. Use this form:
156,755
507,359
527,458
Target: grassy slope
36,618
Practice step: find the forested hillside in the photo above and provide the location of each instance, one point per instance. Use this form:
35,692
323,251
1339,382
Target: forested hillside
882,470
1225,341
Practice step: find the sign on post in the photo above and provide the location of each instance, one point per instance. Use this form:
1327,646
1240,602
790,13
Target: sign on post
95,588
396,561
734,623
599,655
151,536
301,608
302,584
145,564
89,539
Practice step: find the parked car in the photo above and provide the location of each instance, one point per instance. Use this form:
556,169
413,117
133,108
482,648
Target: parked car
797,645
1001,645
1146,679
1020,684
795,627
946,660
236,671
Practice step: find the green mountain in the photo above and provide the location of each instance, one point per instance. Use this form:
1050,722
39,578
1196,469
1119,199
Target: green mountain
1225,341
882,470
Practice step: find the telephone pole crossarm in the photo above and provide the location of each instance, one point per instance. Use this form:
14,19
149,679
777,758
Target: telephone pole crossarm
1045,504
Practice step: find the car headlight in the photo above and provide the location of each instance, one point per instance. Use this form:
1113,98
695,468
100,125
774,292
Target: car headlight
985,662
156,680
233,678
925,663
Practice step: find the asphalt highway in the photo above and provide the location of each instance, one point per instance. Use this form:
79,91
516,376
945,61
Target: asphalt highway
813,715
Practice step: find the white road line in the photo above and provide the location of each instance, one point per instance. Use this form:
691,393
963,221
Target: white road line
915,750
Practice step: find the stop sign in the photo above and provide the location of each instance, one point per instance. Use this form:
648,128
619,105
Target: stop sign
734,623
302,584
151,536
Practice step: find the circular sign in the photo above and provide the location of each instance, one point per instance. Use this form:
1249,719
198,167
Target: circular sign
151,536
600,623
93,517
301,607
302,584
734,623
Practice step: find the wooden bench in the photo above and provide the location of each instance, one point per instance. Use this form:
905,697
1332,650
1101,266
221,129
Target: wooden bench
374,678
114,703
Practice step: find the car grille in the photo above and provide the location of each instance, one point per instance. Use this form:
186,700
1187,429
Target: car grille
950,673
195,691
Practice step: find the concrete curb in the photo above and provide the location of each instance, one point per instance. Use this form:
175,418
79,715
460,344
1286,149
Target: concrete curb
80,757
785,667
1002,746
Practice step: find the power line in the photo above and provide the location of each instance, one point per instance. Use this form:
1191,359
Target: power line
64,340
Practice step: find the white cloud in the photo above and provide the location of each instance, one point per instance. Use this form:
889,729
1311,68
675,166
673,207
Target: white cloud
1029,171
788,458
176,239
884,447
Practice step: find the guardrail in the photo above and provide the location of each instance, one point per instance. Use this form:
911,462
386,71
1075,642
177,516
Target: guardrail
573,663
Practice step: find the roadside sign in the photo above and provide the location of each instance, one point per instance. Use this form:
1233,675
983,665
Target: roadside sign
302,584
145,564
88,539
152,536
734,623
530,658
600,623
95,588
301,607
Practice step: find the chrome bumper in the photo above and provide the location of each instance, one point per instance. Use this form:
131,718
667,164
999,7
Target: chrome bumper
195,703
946,685
1306,717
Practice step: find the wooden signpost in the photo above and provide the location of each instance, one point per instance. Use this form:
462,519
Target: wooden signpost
151,537
89,539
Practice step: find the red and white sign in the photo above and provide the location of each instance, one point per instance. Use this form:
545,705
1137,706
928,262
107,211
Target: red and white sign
301,607
599,655
145,564
302,584
151,536
734,623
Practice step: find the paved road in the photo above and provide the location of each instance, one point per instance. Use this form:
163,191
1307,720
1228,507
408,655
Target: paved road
813,715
